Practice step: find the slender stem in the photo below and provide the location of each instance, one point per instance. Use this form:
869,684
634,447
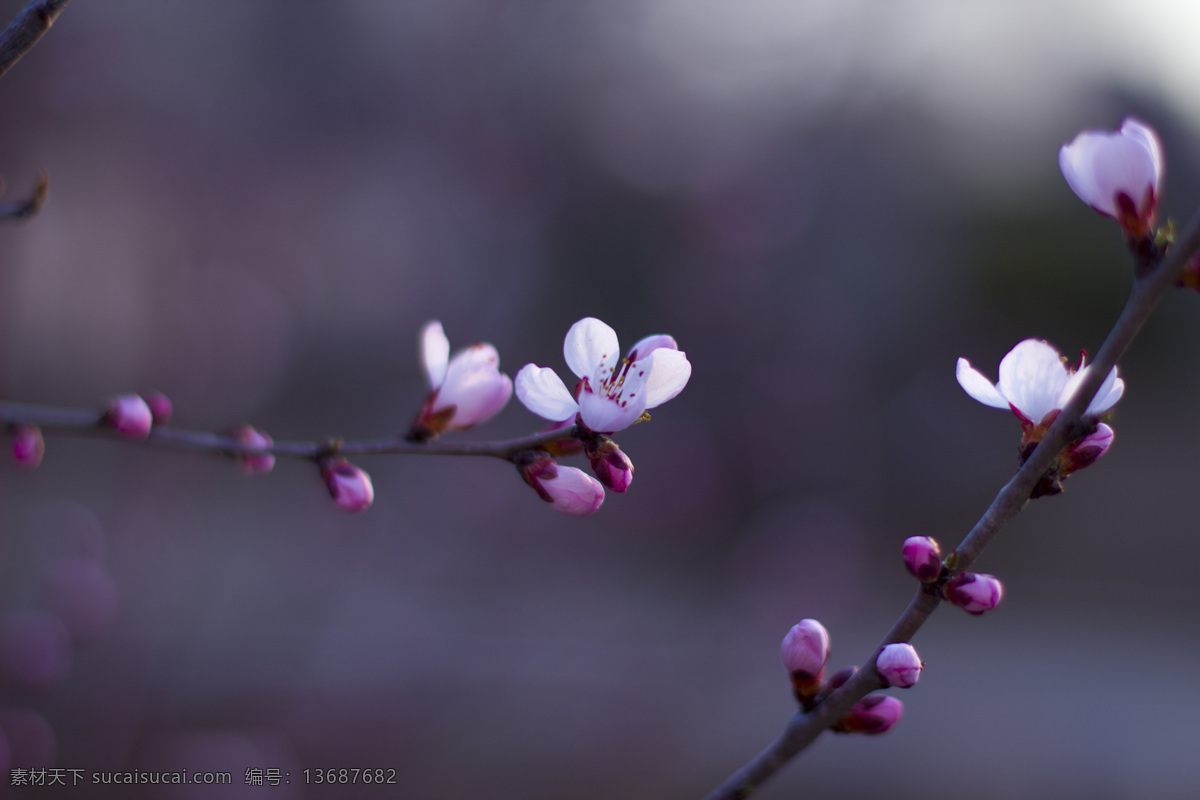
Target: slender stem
90,422
26,29
803,729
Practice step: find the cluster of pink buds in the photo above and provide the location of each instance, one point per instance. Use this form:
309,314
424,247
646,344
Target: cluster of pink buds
973,592
805,650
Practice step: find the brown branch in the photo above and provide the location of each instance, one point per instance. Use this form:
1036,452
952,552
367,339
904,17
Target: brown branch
26,29
89,422
24,209
803,729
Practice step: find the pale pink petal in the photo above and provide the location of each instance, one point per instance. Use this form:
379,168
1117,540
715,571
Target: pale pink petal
474,386
669,373
1106,396
588,344
435,353
606,415
541,391
1142,133
651,343
1077,161
980,388
573,492
1032,377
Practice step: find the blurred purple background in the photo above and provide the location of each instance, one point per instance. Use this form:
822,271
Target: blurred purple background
255,206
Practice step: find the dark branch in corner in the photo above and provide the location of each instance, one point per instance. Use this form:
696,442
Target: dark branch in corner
26,29
24,209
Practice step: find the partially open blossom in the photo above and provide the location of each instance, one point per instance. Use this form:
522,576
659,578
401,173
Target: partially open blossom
160,407
923,557
805,648
129,416
568,490
1084,452
899,665
1034,382
609,463
348,485
1118,173
464,391
612,392
875,713
28,447
974,592
254,463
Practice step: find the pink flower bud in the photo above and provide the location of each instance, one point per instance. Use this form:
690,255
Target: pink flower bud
567,490
923,557
610,465
129,416
28,446
254,463
873,714
348,485
1118,173
805,648
899,665
160,407
1086,451
973,592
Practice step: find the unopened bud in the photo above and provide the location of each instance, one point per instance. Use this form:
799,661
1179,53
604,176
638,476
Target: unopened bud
609,464
129,416
873,714
568,490
160,407
348,485
973,592
1086,451
805,648
804,651
254,463
923,557
899,665
28,446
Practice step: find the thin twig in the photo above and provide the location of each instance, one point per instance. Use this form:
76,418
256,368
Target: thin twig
803,729
26,29
89,422
26,208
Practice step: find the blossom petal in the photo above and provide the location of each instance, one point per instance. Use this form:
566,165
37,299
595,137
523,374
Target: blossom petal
1106,396
541,391
475,386
588,344
1032,378
573,492
605,415
435,353
1109,393
975,384
651,343
669,373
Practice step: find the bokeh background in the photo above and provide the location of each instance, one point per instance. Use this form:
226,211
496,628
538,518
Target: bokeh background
254,207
